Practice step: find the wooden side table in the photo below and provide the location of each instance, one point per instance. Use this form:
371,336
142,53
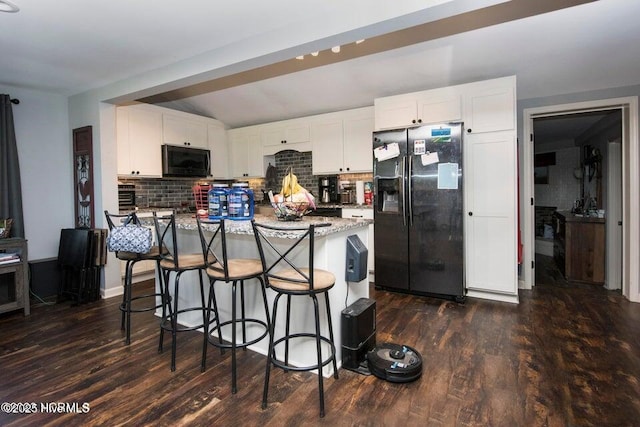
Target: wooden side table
14,294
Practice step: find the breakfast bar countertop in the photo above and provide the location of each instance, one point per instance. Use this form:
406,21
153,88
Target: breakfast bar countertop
336,225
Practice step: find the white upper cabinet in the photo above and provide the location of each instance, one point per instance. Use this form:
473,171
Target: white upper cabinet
139,138
432,106
217,136
186,131
490,106
287,135
440,106
247,160
143,128
342,142
327,140
358,146
396,112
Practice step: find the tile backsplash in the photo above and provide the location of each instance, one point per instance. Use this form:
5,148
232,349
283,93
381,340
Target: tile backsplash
178,193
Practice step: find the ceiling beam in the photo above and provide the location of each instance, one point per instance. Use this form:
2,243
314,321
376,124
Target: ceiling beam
464,22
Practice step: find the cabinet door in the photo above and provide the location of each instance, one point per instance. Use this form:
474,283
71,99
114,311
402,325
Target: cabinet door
285,136
490,183
122,141
296,133
239,147
440,106
272,136
183,131
144,140
327,143
358,145
217,136
489,108
255,159
392,113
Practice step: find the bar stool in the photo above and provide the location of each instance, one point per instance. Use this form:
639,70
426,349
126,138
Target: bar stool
221,269
131,258
285,277
172,261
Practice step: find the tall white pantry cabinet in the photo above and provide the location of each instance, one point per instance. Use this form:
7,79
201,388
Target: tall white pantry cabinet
490,181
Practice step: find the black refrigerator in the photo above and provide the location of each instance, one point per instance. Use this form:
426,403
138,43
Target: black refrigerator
418,210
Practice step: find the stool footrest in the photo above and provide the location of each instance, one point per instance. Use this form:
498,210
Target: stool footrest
283,365
213,340
141,310
166,322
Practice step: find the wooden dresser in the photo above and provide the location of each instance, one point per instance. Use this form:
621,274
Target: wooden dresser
579,247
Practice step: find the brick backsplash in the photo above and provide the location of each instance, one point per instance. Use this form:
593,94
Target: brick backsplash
164,192
176,193
300,164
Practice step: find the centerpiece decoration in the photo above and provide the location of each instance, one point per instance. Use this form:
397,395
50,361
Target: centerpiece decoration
293,201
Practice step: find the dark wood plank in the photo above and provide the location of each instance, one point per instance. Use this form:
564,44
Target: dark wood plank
568,354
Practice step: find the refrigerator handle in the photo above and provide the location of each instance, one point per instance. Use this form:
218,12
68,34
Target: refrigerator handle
410,195
404,194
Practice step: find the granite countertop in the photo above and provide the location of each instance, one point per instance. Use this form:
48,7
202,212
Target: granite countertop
337,225
343,206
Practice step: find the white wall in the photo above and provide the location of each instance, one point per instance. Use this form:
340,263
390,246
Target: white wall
563,188
43,137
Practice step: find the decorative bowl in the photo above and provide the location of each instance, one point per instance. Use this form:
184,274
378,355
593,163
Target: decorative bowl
290,211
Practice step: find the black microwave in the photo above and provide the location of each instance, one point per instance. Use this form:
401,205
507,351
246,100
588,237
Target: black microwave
183,161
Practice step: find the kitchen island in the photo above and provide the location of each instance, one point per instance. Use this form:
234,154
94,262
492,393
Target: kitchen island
330,254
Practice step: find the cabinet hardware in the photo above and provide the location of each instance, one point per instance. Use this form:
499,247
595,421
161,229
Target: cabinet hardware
470,213
468,130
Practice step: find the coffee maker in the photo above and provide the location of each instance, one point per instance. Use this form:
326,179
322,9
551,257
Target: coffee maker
328,187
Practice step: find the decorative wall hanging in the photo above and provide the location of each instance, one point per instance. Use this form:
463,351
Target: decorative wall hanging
83,176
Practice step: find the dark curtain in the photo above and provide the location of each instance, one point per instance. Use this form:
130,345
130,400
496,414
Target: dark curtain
10,189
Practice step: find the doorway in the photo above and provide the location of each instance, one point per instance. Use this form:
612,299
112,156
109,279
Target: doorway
629,194
574,178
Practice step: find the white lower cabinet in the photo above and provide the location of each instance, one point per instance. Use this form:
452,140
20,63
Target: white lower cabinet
363,213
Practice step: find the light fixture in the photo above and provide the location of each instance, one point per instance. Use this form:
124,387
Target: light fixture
334,49
7,6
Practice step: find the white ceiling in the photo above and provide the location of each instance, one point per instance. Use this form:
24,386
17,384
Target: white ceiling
69,46
588,47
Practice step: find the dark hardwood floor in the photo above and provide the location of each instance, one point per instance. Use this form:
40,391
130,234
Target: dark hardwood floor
565,356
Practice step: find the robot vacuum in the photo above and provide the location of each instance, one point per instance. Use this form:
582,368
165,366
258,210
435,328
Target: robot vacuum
395,363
